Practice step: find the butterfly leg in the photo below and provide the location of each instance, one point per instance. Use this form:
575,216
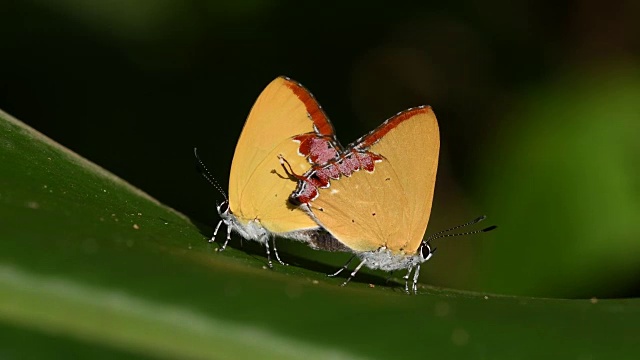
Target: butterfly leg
266,246
406,280
343,268
416,275
275,251
354,272
224,246
215,232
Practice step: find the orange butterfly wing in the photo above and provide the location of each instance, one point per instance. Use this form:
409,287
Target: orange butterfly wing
258,186
390,206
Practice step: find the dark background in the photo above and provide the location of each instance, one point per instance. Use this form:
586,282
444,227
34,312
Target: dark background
538,106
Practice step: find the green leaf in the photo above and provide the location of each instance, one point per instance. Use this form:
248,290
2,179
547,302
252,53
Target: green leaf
91,266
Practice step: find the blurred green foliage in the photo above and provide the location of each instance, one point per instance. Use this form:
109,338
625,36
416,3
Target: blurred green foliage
562,178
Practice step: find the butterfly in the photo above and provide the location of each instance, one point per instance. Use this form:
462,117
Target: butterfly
285,120
375,198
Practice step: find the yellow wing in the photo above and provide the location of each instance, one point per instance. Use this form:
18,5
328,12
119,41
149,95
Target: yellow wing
258,186
391,205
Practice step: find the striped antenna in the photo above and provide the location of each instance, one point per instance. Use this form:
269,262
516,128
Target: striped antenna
472,222
202,169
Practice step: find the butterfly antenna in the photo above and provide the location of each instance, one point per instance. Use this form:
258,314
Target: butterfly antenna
474,221
434,236
290,173
202,169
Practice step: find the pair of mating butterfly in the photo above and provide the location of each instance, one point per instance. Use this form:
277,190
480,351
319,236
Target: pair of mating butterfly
290,177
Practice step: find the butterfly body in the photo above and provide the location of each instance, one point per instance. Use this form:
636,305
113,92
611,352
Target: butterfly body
387,260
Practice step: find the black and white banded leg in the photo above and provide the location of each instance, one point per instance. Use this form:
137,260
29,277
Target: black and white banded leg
275,251
354,272
415,279
406,280
266,246
215,233
343,268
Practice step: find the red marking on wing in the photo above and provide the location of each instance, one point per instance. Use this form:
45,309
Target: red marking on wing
345,169
321,176
324,174
367,160
318,178
373,137
319,118
332,172
352,162
320,150
306,192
